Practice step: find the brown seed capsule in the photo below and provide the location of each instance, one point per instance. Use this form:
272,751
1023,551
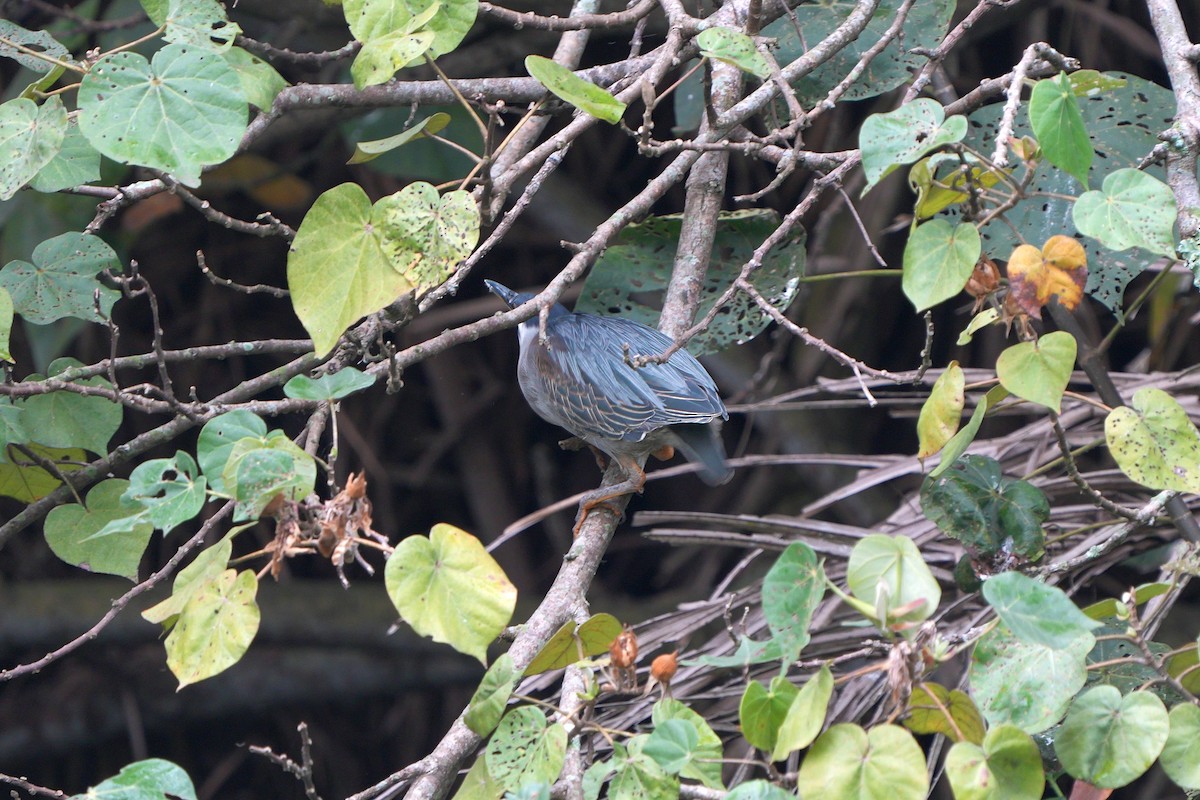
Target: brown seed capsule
663,668
623,651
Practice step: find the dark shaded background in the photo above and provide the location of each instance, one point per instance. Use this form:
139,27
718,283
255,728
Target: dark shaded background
457,444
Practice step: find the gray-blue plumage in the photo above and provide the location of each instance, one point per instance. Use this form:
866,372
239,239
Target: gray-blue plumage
581,379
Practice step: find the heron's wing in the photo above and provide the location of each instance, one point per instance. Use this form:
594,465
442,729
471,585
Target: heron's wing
599,394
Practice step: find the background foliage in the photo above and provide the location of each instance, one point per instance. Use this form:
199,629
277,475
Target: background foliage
253,410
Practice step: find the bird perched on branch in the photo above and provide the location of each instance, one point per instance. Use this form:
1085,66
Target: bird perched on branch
582,377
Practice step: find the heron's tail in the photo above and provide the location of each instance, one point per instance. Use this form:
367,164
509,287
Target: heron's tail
701,444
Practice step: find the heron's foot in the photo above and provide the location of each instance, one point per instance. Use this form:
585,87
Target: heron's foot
603,497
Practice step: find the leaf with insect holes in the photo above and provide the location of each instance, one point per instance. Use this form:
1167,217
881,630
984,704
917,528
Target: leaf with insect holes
1154,442
734,48
1059,270
906,135
1131,209
30,137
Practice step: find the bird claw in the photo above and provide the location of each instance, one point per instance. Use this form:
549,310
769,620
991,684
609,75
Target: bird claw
587,508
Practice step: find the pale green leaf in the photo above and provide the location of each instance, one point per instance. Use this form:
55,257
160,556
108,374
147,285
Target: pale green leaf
1058,125
805,716
260,81
938,260
72,532
63,280
186,107
200,23
1154,442
76,163
906,135
30,137
337,269
1131,209
571,88
894,565
941,412
150,779
849,762
1007,766
735,48
215,627
68,419
1035,612
446,586
1180,757
425,235
368,151
524,749
1039,371
1109,740
328,387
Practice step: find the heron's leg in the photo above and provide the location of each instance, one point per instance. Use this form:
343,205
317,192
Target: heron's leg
575,443
602,496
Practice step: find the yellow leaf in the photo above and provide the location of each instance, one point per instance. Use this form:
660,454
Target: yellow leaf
941,413
1059,270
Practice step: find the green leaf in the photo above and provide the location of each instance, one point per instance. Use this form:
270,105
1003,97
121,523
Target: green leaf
805,716
75,163
449,20
74,532
1027,685
849,762
259,468
639,777
150,779
1035,612
1109,740
568,646
337,269
987,511
425,234
792,590
1131,209
1058,125
381,57
810,23
169,489
187,106
735,48
369,151
938,260
1039,371
748,652
762,711
328,387
217,439
977,323
906,135
1007,767
25,482
478,784
260,82
200,23
30,137
673,744
1154,442
937,192
941,412
68,419
932,708
208,565
960,441
758,789
892,565
1103,609
447,587
524,749
1090,82
487,704
569,87
705,766
62,280
6,320
1180,757
215,627
634,272
40,42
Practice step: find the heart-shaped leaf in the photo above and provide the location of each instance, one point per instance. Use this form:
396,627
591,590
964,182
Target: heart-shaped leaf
74,532
1058,125
1154,442
1059,270
1132,209
847,761
446,586
906,135
187,103
1039,371
30,137
938,260
1109,740
62,280
329,387
733,47
1008,766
